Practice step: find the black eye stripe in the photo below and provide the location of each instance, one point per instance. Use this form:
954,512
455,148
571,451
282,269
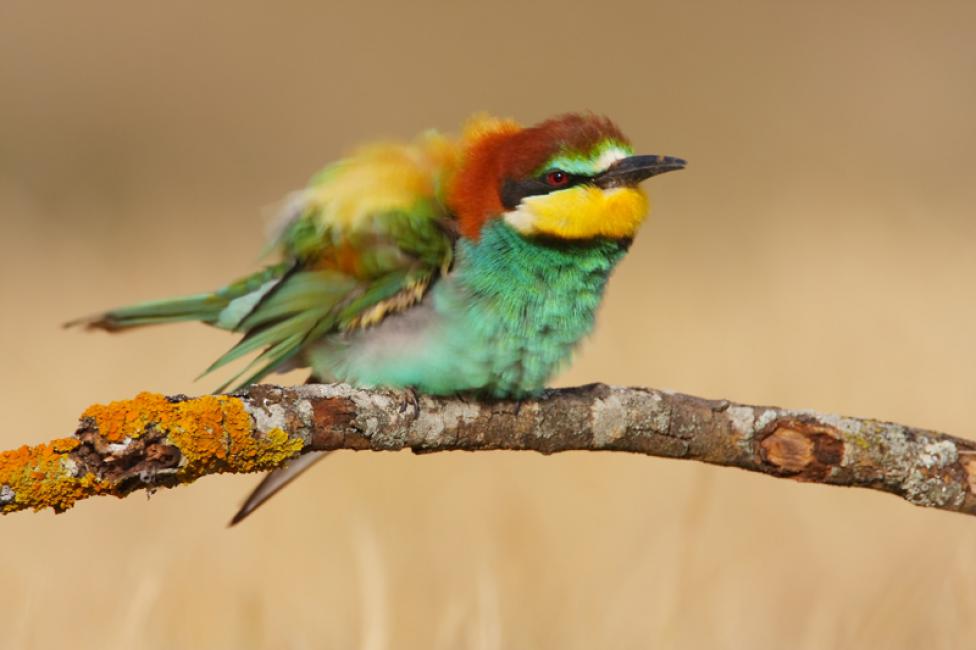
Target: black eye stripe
513,191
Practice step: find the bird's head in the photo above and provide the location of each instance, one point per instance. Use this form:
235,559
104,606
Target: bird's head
570,177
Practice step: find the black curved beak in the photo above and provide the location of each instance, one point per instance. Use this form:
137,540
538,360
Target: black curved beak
633,169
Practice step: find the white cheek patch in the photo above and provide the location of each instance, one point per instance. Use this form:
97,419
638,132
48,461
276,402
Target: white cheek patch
521,219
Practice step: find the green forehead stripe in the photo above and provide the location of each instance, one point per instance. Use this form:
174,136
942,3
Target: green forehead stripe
576,162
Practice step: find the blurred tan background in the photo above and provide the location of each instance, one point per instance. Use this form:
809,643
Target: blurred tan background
819,252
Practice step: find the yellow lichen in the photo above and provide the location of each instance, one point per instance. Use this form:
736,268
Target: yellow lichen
858,439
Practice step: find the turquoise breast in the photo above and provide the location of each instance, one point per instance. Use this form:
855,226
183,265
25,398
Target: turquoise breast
527,302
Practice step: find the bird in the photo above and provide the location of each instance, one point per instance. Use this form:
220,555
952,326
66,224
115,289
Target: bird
469,265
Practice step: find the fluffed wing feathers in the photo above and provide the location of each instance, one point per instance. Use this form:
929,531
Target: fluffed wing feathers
365,239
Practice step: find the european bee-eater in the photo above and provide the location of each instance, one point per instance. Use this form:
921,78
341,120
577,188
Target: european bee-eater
443,266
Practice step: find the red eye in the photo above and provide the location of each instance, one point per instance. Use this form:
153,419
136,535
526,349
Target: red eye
557,178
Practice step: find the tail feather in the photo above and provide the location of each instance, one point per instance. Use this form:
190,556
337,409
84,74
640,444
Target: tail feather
224,308
205,307
275,481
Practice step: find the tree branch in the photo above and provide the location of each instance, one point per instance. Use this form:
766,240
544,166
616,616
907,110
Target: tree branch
155,441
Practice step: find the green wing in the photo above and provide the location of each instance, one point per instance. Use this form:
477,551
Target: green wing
366,238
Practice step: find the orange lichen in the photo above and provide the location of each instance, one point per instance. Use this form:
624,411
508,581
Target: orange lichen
43,476
213,434
117,421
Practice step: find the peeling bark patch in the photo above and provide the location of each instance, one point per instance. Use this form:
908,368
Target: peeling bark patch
805,449
331,423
